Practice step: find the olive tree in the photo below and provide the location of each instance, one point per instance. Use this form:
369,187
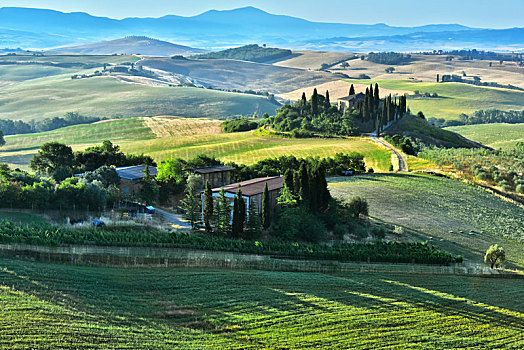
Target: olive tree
495,256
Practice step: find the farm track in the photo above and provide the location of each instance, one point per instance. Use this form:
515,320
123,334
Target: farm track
402,163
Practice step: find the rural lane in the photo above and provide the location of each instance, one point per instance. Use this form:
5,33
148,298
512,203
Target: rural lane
402,163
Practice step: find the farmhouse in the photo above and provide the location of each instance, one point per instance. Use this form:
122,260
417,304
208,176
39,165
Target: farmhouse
253,191
219,175
349,102
130,177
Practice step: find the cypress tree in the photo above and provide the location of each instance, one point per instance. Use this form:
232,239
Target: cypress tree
377,127
208,207
289,181
351,90
266,208
304,182
385,115
319,193
253,224
239,214
365,108
303,104
328,102
296,183
223,213
314,103
377,97
325,196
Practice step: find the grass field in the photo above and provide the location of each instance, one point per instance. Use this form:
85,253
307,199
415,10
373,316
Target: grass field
164,138
454,98
52,306
444,209
503,136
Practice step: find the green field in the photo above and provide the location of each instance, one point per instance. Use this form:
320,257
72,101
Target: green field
454,98
134,136
503,136
53,306
446,210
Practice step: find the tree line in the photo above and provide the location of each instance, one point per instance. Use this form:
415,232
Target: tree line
14,127
58,160
488,116
391,58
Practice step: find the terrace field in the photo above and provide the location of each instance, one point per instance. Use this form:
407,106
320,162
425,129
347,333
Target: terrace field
503,136
459,218
46,305
164,138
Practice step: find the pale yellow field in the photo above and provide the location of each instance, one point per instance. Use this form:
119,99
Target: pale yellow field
424,68
313,60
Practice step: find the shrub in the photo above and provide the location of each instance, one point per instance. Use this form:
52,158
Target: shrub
359,206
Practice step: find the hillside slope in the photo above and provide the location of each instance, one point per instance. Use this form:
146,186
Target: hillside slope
419,129
456,217
132,45
240,75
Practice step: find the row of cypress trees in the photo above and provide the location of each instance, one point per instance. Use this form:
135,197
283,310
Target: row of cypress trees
307,186
236,222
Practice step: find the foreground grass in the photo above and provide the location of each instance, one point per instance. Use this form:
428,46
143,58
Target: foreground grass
503,136
45,305
446,210
454,98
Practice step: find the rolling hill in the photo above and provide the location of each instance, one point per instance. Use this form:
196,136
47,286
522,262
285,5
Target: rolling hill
456,217
132,45
240,75
498,135
168,137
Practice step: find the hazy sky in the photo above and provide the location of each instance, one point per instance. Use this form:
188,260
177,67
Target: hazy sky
475,13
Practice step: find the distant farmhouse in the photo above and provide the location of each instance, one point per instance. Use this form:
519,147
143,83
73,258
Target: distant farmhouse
350,102
219,175
130,177
253,191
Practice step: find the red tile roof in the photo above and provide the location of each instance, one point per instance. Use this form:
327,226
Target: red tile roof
255,186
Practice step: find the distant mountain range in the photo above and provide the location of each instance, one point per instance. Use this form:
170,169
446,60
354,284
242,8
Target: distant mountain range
44,29
133,45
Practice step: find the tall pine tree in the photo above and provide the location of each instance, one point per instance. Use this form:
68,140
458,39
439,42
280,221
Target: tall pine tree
328,102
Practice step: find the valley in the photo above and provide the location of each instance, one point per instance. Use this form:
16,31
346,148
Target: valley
238,179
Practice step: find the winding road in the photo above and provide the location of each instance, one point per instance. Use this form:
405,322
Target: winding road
402,163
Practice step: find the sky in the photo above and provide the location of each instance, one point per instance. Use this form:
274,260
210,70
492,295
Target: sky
473,13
